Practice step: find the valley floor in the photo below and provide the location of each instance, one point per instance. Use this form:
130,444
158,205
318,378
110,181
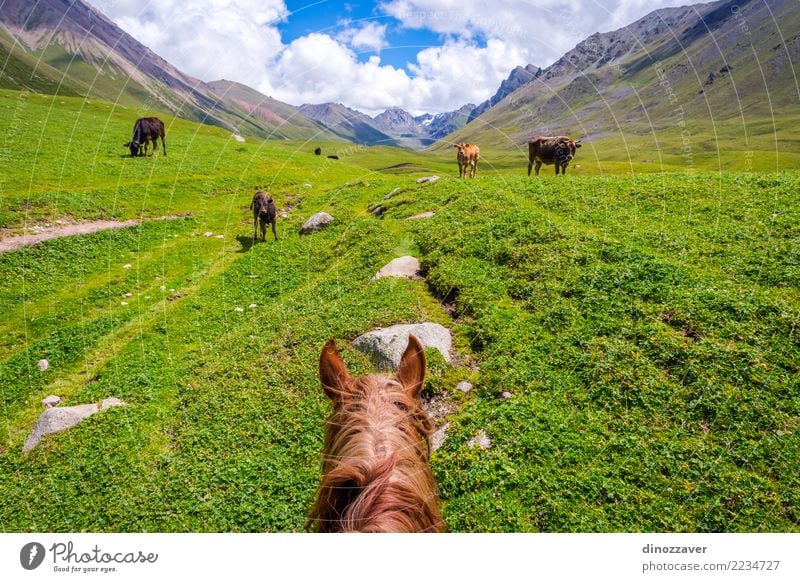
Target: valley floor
632,340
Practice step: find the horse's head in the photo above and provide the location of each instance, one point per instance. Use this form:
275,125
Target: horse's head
376,475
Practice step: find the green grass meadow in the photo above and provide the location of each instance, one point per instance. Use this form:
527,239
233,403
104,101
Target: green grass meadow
644,319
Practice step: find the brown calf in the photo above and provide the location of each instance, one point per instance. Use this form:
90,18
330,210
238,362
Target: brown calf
558,150
264,211
468,155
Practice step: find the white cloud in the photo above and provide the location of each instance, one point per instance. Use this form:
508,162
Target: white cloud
240,40
209,39
542,31
371,36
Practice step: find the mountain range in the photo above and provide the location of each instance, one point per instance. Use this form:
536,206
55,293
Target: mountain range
730,60
726,70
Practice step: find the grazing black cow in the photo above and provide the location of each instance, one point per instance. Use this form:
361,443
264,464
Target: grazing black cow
334,157
558,150
146,130
264,211
318,152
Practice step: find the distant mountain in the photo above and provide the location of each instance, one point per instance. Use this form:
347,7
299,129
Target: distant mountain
518,77
397,122
279,117
423,130
443,124
724,69
67,47
347,123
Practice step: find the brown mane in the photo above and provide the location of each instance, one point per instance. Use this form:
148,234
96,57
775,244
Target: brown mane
376,471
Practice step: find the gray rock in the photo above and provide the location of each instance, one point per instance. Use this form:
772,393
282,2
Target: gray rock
386,345
438,438
427,179
506,395
238,137
480,440
392,193
51,401
406,267
464,386
378,210
59,419
43,365
317,222
423,215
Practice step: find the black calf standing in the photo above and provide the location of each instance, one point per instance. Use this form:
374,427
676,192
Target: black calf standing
264,211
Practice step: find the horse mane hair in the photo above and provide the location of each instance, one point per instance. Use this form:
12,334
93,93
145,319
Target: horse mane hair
376,471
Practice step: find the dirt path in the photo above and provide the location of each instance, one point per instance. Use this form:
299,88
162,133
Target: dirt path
42,233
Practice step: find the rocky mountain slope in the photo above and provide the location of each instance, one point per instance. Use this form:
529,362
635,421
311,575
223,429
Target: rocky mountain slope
725,70
67,47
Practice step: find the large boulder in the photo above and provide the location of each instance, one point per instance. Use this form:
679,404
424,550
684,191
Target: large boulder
317,222
406,267
59,419
386,345
427,179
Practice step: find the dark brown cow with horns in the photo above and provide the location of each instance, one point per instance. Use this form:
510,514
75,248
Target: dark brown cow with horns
146,130
264,211
558,150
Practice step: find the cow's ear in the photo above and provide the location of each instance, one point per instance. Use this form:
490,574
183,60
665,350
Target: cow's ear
411,371
333,373
578,144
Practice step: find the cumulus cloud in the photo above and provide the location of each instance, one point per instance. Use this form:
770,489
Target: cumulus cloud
541,30
209,39
371,36
240,40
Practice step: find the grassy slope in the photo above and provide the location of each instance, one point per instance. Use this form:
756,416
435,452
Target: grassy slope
645,326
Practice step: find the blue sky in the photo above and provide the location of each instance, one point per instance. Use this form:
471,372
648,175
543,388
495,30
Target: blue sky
421,55
332,16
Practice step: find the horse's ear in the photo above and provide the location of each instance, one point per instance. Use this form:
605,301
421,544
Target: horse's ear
333,373
411,371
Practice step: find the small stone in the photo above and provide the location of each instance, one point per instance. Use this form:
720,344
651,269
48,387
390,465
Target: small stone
386,345
419,216
207,234
129,294
127,266
464,386
43,365
238,137
163,288
51,401
252,306
307,186
59,419
123,302
220,236
427,179
378,210
238,310
392,193
404,267
252,276
317,222
480,440
506,395
438,438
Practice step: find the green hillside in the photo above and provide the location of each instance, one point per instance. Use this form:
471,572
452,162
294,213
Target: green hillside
644,326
